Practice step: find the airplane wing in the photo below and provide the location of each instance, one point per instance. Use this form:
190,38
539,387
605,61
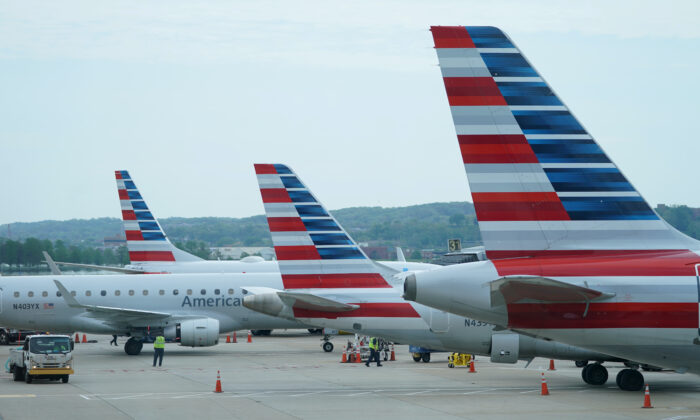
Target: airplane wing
52,265
517,289
102,267
108,313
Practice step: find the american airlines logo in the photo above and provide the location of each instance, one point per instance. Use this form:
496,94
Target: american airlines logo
210,302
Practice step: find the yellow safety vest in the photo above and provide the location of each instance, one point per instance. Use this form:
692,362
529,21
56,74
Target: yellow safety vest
159,343
373,343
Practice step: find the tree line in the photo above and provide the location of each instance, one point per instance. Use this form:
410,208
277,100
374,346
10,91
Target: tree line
29,253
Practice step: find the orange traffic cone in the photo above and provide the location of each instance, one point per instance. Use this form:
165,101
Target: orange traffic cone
218,382
471,367
234,338
345,356
551,365
647,398
84,339
393,355
228,338
545,390
77,338
358,358
250,337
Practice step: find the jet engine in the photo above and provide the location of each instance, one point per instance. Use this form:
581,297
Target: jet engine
510,347
201,332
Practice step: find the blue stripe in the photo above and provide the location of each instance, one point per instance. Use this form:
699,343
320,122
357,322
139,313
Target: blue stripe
153,236
320,224
340,253
125,174
149,226
587,179
282,169
548,122
311,210
134,195
330,239
508,65
301,197
143,215
568,151
291,182
528,93
488,37
607,208
130,185
139,205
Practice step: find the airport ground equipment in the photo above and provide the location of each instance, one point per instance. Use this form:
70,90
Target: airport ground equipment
42,357
420,353
12,335
458,360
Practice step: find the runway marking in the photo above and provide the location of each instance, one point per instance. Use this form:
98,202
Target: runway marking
422,392
17,395
359,393
479,392
84,397
309,393
527,392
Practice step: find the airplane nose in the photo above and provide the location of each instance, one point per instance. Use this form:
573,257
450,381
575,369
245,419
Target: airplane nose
409,288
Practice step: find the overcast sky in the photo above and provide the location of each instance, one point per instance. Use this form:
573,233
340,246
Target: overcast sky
188,95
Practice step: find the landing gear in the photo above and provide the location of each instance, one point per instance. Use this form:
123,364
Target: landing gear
581,363
133,347
4,338
315,330
261,332
630,380
327,346
595,374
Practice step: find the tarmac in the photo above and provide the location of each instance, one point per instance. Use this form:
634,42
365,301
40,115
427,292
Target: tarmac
288,376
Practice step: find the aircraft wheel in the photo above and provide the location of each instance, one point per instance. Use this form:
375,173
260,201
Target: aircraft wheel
133,347
595,374
416,357
4,338
425,357
630,380
17,373
581,363
328,347
64,379
27,377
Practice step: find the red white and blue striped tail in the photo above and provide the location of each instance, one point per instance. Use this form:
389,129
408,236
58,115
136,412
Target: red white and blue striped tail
145,239
539,181
313,250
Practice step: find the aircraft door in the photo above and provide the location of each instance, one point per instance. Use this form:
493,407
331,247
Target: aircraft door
439,321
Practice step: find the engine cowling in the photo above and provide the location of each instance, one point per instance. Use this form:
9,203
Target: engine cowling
202,332
505,348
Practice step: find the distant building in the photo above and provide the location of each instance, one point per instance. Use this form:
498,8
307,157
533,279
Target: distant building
114,241
236,252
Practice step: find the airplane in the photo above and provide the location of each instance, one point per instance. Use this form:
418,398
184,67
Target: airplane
329,282
575,253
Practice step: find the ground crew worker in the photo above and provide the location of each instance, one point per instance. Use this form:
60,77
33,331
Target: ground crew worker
158,350
374,351
114,340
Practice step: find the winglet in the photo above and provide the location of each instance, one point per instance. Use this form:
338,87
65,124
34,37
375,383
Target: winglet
52,265
67,296
399,254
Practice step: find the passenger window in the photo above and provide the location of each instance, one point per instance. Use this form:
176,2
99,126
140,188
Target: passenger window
103,293
230,291
131,293
175,292
117,293
58,294
189,291
145,292
161,292
30,294
217,291
16,294
44,293
88,293
203,291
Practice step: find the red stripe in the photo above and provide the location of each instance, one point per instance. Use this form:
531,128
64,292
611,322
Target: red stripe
451,37
275,195
499,148
600,263
151,256
134,235
369,310
519,206
123,195
603,315
264,168
128,215
286,224
300,252
118,174
465,91
331,281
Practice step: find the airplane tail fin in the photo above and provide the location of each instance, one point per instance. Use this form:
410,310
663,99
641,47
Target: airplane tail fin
539,181
145,239
313,250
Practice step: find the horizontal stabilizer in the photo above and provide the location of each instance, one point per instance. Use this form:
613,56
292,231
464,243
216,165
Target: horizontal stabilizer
517,289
